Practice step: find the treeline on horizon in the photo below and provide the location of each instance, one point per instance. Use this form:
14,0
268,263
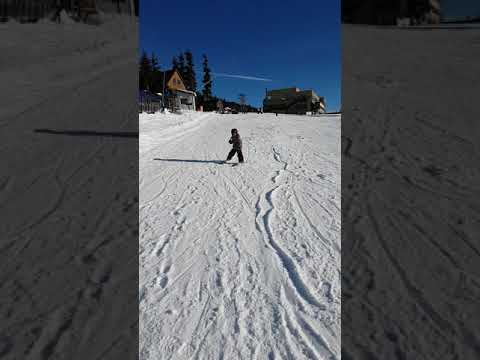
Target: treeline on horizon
150,78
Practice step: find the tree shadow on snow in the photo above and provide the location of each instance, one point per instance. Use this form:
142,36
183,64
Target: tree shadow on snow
192,161
129,134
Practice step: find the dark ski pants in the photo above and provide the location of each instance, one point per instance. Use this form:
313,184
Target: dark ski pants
232,153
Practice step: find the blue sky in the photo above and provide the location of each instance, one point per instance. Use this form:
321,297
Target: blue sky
294,43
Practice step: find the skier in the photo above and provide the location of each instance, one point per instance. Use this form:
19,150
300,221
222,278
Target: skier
236,142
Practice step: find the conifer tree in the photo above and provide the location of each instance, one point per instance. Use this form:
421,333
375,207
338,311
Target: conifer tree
175,63
181,65
154,62
207,80
155,74
145,70
190,78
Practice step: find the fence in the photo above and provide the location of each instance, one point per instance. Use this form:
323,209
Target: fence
149,107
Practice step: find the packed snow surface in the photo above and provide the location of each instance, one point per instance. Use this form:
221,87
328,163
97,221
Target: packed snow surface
410,190
239,262
68,254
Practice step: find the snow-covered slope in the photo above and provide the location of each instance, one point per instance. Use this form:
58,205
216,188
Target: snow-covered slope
239,262
410,193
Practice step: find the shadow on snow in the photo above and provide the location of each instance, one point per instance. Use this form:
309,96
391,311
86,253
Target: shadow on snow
192,161
128,134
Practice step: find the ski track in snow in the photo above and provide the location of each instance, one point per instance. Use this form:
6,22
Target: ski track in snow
239,262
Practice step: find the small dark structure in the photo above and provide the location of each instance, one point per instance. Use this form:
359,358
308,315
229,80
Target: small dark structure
149,102
380,12
29,11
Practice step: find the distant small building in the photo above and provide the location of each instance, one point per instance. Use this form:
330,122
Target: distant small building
293,101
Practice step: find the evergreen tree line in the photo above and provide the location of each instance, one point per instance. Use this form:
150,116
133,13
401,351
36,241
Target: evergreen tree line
150,73
151,78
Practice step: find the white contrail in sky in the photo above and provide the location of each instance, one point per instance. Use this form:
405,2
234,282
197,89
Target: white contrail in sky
242,77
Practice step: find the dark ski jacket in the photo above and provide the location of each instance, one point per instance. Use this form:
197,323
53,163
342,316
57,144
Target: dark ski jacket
236,142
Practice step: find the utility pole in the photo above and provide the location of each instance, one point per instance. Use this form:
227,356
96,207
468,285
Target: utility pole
242,102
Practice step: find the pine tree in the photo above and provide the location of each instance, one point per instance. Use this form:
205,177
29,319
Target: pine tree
154,62
190,78
175,63
155,84
207,80
181,65
145,70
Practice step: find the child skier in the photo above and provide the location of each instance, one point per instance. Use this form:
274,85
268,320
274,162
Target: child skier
236,142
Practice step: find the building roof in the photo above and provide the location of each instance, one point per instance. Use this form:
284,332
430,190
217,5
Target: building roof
168,76
282,91
187,91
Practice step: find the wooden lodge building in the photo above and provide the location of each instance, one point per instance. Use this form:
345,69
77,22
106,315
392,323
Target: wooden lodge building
174,95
